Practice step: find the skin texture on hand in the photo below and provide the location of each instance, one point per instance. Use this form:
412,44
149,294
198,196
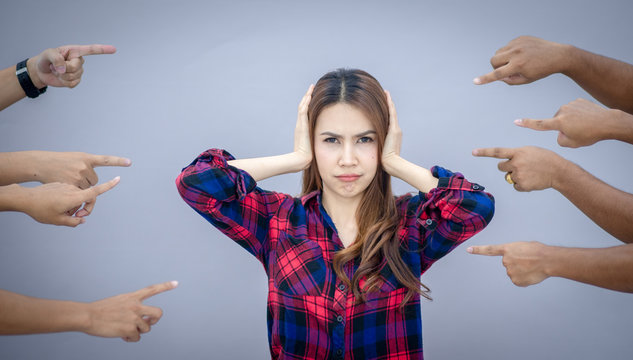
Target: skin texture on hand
583,123
416,176
531,168
524,60
63,66
122,315
393,140
524,261
125,315
74,168
527,59
59,67
529,263
60,204
302,143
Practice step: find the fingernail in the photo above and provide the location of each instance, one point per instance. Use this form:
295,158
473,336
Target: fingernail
117,178
477,81
519,122
469,249
475,152
174,283
127,162
60,69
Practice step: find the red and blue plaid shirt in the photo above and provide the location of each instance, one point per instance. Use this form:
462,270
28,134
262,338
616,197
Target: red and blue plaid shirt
311,313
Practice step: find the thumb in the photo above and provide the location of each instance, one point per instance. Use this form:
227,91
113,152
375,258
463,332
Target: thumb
55,61
71,221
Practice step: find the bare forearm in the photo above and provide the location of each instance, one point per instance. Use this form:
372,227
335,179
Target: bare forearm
608,80
610,268
621,126
18,167
21,314
10,89
416,176
13,197
266,167
610,208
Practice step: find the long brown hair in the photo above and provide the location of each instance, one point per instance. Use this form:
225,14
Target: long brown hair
377,223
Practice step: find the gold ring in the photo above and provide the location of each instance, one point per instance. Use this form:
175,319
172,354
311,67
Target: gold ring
509,178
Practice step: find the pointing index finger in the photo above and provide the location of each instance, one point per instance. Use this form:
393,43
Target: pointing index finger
497,74
496,152
108,160
100,189
538,124
155,289
75,51
489,250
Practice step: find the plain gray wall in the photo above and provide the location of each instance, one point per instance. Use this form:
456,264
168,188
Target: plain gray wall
188,76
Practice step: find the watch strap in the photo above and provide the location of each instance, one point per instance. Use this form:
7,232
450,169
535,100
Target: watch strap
25,81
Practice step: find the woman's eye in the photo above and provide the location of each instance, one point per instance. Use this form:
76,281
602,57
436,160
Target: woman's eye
330,140
365,139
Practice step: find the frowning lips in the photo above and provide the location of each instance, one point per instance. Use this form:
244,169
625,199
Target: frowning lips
348,177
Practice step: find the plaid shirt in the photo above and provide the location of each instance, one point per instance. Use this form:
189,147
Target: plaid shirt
311,313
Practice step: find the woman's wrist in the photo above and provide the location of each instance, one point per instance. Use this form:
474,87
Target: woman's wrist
299,160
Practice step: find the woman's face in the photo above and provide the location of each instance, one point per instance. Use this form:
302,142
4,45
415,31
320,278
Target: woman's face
346,151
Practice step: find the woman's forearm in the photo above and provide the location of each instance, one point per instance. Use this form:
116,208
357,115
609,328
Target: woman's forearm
266,167
416,176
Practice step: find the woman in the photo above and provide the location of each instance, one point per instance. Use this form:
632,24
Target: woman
343,260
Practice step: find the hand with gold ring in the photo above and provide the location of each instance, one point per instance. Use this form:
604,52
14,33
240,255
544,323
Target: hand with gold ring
528,168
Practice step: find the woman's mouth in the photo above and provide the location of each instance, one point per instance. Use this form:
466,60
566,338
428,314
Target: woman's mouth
348,177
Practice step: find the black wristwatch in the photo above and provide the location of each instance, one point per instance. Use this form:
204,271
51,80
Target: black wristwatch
25,81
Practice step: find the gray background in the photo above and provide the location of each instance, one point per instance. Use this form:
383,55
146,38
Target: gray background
188,76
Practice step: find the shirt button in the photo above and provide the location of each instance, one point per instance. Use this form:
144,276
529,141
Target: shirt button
341,287
429,222
476,186
339,352
339,318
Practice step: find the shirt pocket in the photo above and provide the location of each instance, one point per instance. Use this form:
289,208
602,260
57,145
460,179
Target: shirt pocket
299,269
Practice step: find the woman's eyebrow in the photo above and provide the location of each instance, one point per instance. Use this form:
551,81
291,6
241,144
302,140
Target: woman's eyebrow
329,133
365,133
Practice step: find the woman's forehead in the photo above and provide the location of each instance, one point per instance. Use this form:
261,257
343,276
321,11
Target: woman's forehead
342,119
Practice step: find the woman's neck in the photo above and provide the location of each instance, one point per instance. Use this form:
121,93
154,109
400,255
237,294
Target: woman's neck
342,211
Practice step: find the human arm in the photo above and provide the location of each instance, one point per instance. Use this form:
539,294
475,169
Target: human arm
224,190
583,123
53,203
122,315
266,167
533,168
529,263
416,176
75,168
527,59
59,67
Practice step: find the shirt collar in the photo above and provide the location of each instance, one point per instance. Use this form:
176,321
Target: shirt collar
316,195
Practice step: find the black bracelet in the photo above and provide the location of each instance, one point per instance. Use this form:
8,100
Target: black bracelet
25,81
